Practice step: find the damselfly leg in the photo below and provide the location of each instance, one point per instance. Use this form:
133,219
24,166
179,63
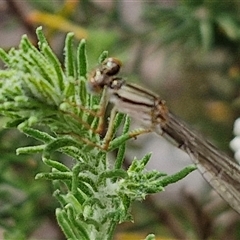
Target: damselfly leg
100,80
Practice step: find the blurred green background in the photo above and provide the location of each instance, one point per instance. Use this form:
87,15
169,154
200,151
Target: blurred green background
186,51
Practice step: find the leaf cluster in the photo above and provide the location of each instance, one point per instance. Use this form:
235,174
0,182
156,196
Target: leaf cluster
50,103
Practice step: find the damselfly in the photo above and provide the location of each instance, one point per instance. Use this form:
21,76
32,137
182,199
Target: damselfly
220,171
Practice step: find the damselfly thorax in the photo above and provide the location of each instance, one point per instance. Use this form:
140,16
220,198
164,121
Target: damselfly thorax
139,103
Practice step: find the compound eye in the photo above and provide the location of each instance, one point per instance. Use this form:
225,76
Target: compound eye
96,82
111,66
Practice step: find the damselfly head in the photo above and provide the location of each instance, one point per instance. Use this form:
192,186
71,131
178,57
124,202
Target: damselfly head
104,75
